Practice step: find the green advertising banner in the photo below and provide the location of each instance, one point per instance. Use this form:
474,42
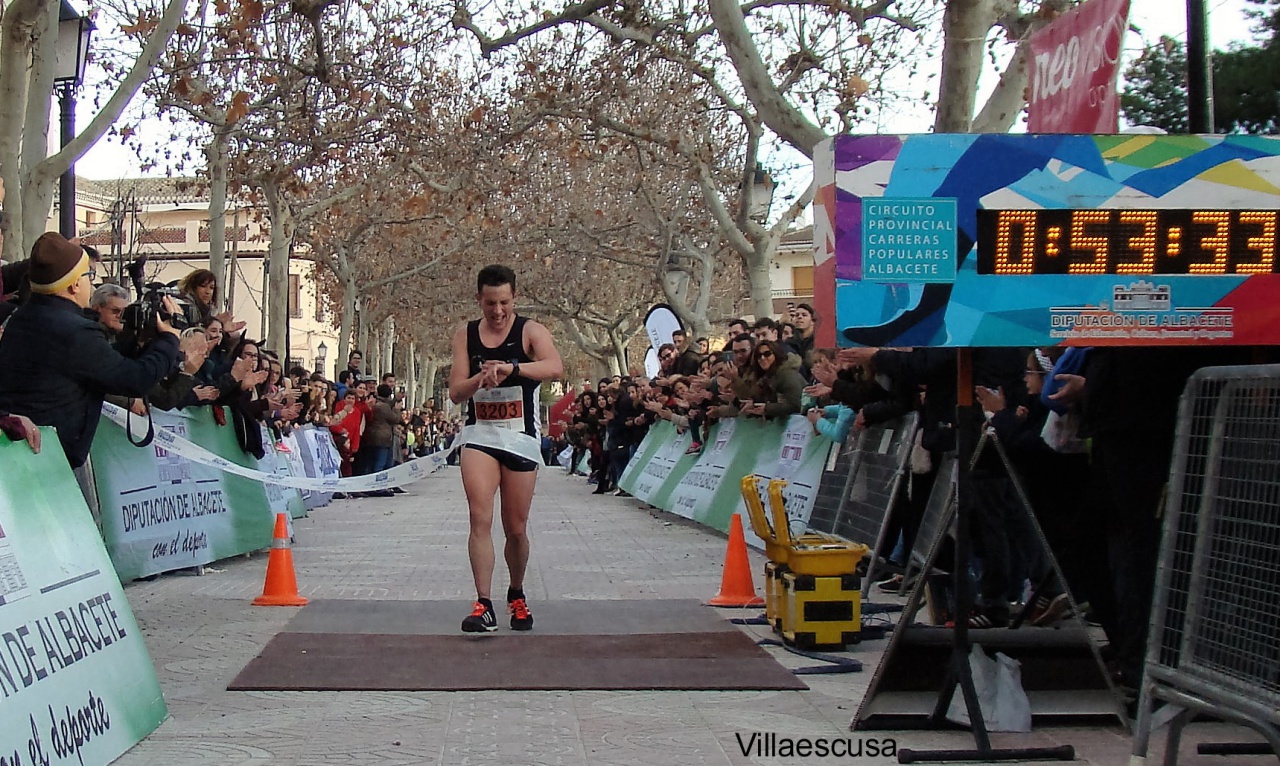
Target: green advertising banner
162,512
644,451
657,471
706,487
706,492
77,686
792,452
277,460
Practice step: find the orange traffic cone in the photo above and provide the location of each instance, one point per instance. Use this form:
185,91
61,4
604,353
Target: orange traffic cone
281,587
736,588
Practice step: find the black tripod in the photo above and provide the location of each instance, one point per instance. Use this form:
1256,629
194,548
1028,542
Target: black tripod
968,429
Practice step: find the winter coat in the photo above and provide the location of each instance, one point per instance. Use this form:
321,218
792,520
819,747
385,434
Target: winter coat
56,365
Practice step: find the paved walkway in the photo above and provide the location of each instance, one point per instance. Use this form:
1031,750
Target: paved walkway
202,630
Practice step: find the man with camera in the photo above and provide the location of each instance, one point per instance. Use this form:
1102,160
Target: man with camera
56,364
109,304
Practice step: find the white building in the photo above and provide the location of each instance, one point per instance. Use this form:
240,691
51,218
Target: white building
167,219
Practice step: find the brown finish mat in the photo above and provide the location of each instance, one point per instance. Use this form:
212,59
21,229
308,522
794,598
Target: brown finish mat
729,661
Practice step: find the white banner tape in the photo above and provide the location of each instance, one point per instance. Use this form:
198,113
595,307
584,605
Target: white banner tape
405,473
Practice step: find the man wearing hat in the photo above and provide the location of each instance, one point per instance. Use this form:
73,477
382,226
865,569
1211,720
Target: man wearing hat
56,364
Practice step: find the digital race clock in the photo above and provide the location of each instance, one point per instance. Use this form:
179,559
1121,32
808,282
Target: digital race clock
1127,242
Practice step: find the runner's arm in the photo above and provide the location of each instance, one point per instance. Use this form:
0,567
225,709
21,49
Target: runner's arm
461,386
546,364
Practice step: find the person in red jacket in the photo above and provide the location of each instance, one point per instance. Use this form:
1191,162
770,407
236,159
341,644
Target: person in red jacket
349,415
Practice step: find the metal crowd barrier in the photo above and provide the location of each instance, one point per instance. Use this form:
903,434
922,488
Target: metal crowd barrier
1214,645
940,509
858,491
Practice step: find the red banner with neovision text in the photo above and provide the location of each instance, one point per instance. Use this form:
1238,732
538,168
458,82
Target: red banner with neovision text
1074,63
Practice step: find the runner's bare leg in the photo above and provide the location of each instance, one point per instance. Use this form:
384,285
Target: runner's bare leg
481,475
517,496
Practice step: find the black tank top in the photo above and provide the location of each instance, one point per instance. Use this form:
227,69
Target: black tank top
514,404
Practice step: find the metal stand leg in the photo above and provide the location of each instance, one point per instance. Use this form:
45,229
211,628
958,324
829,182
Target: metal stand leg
968,428
1174,739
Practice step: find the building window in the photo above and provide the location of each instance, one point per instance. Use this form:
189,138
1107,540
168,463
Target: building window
295,296
802,280
319,309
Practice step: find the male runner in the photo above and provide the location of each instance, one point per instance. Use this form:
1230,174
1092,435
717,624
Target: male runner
499,362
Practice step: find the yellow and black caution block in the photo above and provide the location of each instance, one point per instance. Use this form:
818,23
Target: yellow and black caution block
773,594
821,612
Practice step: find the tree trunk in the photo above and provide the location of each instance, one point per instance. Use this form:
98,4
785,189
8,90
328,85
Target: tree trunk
230,296
432,368
760,286
373,354
757,80
619,352
282,227
411,376
266,299
363,319
218,161
24,112
16,24
37,187
388,348
345,333
965,25
1005,103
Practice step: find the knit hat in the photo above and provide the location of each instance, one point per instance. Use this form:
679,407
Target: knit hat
55,264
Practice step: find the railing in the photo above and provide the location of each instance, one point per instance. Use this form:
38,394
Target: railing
792,293
1212,646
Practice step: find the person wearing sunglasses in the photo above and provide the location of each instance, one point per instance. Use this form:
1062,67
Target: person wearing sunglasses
666,359
778,387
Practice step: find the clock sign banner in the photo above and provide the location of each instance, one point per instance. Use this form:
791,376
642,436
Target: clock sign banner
1036,240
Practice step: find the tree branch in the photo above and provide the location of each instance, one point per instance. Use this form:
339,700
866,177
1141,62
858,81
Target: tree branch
59,163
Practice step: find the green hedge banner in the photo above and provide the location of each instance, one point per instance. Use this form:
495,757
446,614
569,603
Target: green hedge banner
77,686
705,486
162,512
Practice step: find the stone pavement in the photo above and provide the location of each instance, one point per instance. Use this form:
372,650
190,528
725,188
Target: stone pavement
202,630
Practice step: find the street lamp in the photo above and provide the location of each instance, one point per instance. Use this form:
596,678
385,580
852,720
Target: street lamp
74,32
322,351
762,187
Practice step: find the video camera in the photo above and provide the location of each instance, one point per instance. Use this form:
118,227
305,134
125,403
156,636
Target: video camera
140,316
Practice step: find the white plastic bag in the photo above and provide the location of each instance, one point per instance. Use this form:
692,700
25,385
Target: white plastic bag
1012,708
1062,433
998,683
921,459
564,457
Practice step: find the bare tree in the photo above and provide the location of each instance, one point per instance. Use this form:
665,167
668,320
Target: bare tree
28,44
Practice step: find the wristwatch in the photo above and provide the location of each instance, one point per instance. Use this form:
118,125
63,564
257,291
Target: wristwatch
515,368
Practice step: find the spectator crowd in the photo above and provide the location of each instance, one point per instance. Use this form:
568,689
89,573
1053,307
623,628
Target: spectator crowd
68,343
761,373
1089,432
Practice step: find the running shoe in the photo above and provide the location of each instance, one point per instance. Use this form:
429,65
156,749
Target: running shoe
521,617
894,585
481,620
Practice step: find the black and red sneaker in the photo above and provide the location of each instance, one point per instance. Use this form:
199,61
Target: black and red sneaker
481,620
521,617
